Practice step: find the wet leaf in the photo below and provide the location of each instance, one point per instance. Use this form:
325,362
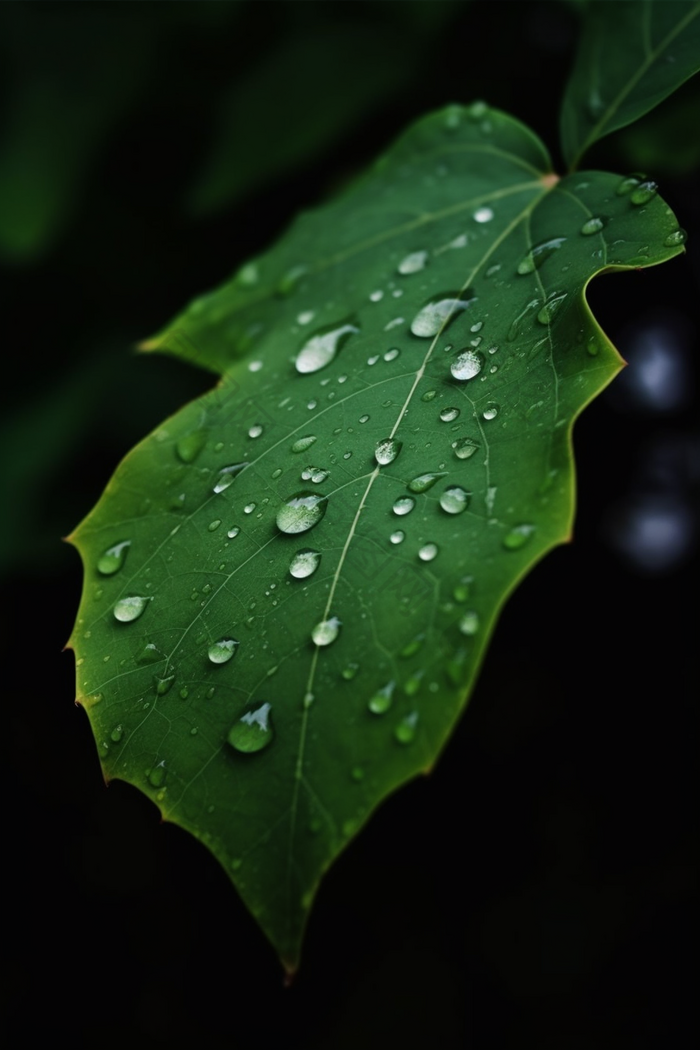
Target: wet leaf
290,584
631,56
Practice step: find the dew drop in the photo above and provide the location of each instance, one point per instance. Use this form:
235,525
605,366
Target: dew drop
227,475
403,505
644,192
413,647
255,431
539,255
405,731
461,590
128,609
232,533
213,525
349,672
162,685
392,354
290,280
190,445
249,508
551,308
469,623
116,734
386,451
304,563
428,395
593,225
320,349
113,558
424,482
413,263
454,500
375,297
428,551
382,700
483,215
305,317
222,651
518,536
626,186
357,774
435,316
675,238
302,443
363,419
156,776
397,537
491,411
326,631
253,730
150,654
301,512
465,448
467,365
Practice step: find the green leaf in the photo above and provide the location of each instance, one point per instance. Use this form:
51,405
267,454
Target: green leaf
290,584
631,56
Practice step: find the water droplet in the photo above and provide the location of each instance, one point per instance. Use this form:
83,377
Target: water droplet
116,734
162,685
428,395
539,254
518,537
483,215
405,731
435,316
424,482
467,365
357,774
249,508
255,431
326,631
248,275
253,730
320,349
184,692
363,419
301,444
113,558
315,474
305,317
627,185
428,551
644,192
227,475
373,359
128,609
403,505
382,699
349,672
397,537
449,414
593,225
301,512
156,776
304,563
213,525
392,354
551,307
491,411
232,533
675,238
465,448
290,280
461,590
222,651
413,647
376,296
413,263
469,623
255,366
190,445
454,500
150,654
386,451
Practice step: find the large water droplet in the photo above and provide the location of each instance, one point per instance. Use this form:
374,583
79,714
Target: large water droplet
518,536
320,349
128,609
593,225
382,700
386,451
465,448
644,192
113,558
405,731
413,263
326,631
424,482
227,475
302,443
454,500
190,445
428,551
467,365
539,254
222,651
301,512
253,730
449,414
403,505
437,315
304,563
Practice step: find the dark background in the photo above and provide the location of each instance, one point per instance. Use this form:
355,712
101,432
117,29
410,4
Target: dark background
537,887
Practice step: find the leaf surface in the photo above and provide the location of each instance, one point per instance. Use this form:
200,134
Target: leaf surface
290,584
631,56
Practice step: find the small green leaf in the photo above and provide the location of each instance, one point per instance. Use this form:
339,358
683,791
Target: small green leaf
631,56
313,556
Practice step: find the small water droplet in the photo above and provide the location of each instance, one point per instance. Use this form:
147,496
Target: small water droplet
428,551
435,316
357,774
249,508
465,448
301,512
222,651
467,365
675,238
248,275
213,525
304,563
403,505
116,734
232,533
190,445
326,631
113,558
255,431
392,354
593,225
644,192
551,308
397,537
386,451
290,280
302,443
539,255
518,536
626,186
253,730
483,215
227,475
320,349
461,590
491,411
305,317
424,482
382,700
454,500
254,366
449,414
349,672
405,731
150,654
373,359
375,297
184,692
428,395
156,776
128,609
469,623
413,647
413,263
162,685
